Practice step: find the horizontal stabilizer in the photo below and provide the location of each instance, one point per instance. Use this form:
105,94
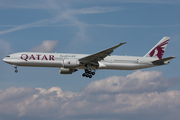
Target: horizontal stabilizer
163,60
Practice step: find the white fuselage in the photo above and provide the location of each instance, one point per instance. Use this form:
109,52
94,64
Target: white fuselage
57,60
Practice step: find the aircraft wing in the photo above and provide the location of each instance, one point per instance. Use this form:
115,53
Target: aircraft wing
94,58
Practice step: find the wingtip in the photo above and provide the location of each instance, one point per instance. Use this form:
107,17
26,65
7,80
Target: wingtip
122,43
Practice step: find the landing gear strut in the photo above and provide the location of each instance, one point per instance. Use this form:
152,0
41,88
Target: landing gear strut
88,73
15,68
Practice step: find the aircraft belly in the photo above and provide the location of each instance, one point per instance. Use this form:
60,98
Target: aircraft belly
38,63
123,66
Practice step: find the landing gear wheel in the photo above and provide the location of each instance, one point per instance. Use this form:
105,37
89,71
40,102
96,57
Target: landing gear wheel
83,74
88,73
93,73
16,71
90,76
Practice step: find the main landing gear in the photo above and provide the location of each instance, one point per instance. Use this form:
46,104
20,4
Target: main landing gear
88,73
15,68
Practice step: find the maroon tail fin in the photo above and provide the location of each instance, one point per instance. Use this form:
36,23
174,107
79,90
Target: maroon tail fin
158,50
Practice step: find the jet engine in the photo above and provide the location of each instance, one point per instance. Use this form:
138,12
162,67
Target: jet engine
70,63
67,71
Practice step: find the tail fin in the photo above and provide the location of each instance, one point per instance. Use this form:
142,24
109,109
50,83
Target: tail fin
158,50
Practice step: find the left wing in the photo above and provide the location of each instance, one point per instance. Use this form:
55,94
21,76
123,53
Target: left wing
94,58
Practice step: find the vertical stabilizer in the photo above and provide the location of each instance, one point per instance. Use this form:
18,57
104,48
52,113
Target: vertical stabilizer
158,50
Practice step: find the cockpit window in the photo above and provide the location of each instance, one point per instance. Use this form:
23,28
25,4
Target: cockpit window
8,56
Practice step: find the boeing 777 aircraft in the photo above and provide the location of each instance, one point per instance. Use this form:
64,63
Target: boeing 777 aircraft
69,63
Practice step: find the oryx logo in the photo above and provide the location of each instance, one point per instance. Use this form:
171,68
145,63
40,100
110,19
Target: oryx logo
159,50
69,62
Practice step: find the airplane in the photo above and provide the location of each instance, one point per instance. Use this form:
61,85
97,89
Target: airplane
70,63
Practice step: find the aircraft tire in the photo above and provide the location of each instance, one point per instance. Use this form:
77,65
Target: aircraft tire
83,75
86,71
93,73
16,71
87,75
90,76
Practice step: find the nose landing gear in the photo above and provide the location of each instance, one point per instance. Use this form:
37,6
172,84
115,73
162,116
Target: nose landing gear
88,73
15,68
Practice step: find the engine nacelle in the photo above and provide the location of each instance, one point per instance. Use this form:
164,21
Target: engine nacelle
70,63
67,71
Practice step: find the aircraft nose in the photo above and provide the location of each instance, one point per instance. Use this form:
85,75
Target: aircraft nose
4,59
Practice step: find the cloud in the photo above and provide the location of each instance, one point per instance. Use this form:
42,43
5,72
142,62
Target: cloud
133,26
94,10
11,97
26,26
61,13
53,103
46,46
137,82
70,15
